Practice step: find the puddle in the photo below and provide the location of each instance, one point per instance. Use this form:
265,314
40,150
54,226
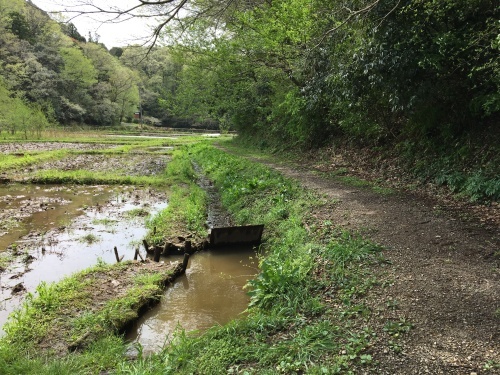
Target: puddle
29,208
112,218
210,293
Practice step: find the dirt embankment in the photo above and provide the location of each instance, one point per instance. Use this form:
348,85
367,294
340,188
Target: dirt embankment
102,290
444,277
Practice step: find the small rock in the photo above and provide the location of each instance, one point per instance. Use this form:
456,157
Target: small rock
115,282
18,288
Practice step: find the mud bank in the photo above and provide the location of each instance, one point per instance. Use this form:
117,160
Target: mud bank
90,305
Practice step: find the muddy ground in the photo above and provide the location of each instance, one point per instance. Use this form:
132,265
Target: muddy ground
15,208
14,148
128,164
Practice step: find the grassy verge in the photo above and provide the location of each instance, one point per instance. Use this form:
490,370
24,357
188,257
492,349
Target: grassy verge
84,177
186,210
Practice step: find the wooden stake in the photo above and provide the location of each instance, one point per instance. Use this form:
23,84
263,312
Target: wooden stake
146,246
157,254
166,248
117,256
187,247
139,255
185,261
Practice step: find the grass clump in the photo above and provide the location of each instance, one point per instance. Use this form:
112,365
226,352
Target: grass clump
89,239
104,221
137,212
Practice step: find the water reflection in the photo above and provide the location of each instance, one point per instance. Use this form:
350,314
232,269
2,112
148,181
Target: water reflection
210,293
58,250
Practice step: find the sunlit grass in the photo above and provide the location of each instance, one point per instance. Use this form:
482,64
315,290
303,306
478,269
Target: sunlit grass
85,177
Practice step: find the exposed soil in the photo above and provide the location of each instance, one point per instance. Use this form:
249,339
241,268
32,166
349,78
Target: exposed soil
16,147
129,164
443,279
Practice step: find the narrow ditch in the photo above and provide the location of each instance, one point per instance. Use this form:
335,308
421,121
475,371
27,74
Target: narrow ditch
211,292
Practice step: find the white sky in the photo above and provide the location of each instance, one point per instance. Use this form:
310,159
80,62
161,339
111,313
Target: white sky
133,31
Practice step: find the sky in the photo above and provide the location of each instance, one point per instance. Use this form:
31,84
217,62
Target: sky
134,31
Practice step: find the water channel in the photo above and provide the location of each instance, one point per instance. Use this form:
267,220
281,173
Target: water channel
210,293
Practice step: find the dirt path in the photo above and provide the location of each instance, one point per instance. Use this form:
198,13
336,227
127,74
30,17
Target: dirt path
444,277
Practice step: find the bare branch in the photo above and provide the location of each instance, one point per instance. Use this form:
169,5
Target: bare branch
352,14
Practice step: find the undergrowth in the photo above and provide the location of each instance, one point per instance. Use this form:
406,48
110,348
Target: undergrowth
466,170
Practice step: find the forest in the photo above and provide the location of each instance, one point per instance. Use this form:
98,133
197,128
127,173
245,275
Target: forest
416,80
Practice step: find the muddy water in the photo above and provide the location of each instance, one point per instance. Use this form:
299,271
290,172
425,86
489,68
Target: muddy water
54,250
210,293
28,208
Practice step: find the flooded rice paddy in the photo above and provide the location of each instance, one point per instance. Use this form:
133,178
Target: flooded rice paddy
68,230
49,232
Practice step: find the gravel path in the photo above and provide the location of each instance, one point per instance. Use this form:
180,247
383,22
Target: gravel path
444,277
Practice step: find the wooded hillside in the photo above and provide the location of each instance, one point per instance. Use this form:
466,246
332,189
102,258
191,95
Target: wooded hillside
49,73
416,79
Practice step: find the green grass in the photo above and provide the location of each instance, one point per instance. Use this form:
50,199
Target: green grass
5,260
89,239
105,221
85,177
11,161
137,212
187,204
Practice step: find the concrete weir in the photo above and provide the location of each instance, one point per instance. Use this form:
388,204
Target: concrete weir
234,236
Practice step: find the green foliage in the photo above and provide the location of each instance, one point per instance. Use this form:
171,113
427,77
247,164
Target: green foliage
187,204
84,177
